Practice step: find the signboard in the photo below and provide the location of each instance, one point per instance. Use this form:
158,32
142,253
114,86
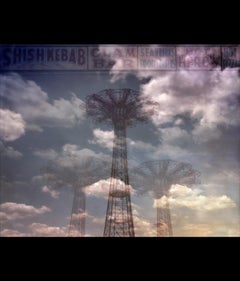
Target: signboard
120,58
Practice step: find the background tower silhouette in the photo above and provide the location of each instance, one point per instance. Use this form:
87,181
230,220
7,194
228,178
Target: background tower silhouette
120,108
157,177
76,173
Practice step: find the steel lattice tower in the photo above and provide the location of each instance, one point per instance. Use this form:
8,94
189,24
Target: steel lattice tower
120,108
157,177
78,214
76,174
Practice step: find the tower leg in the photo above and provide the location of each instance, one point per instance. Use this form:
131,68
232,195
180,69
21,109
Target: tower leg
119,220
77,222
164,225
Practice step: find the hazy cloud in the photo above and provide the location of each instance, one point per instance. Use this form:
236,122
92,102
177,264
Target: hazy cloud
208,229
9,151
11,233
53,193
73,167
48,154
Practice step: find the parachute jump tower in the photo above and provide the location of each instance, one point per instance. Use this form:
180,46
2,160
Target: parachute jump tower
157,177
76,173
121,108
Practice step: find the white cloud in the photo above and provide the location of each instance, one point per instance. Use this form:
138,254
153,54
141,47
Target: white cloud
103,138
28,99
175,135
182,196
11,233
98,189
36,230
73,154
44,230
202,229
143,227
70,149
76,233
101,188
140,145
196,214
53,193
79,216
12,125
13,211
210,97
9,151
205,132
161,202
99,221
48,154
208,229
3,217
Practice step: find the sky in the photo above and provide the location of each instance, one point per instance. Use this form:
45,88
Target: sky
193,117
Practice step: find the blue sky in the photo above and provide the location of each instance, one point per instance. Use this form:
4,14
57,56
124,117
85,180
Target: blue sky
195,119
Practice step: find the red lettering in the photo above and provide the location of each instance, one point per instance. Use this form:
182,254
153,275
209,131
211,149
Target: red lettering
130,52
117,53
206,61
197,62
181,61
128,63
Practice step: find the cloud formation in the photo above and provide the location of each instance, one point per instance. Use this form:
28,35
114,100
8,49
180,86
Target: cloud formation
53,193
12,125
48,154
11,233
208,229
208,98
103,138
100,189
29,100
13,211
35,230
9,151
44,230
193,199
143,228
72,168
